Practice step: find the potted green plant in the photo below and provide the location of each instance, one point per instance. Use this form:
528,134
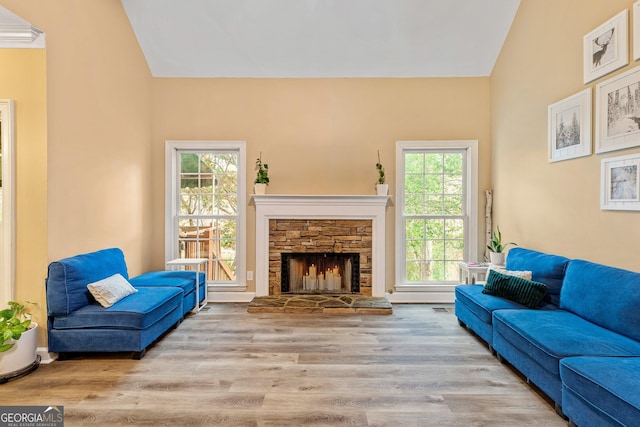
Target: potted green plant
381,187
262,177
18,341
496,247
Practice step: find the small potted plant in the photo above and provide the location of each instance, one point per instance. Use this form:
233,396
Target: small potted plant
496,247
18,341
381,187
262,176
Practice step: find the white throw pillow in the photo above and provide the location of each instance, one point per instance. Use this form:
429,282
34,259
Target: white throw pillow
521,274
111,290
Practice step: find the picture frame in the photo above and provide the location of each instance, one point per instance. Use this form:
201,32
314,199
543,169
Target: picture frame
618,112
605,49
620,180
636,30
569,127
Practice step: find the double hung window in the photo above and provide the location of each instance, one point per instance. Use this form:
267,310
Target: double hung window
205,209
436,219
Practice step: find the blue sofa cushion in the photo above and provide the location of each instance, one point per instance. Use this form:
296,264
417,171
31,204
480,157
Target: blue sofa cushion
545,268
138,311
68,279
609,385
606,296
481,304
525,292
180,278
548,336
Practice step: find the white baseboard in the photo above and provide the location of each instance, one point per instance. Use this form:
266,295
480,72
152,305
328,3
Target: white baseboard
421,297
45,356
230,296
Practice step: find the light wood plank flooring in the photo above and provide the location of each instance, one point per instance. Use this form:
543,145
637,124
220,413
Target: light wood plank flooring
227,367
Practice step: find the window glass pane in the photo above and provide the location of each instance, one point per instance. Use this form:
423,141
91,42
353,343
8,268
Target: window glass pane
454,229
434,204
206,194
435,249
415,228
452,204
414,204
435,271
227,200
414,163
433,183
433,163
227,229
415,250
415,271
451,271
452,183
452,162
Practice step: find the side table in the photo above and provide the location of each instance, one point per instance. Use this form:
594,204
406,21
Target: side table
193,262
471,272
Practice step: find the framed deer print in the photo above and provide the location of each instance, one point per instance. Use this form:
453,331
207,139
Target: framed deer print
619,183
605,49
618,112
570,127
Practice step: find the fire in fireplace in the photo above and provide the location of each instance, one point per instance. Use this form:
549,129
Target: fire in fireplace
320,273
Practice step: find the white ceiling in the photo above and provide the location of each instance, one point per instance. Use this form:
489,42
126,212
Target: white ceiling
321,38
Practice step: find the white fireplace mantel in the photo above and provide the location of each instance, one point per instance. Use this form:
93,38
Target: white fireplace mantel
290,206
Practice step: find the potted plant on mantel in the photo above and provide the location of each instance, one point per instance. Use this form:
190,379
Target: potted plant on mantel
381,188
262,176
18,342
496,247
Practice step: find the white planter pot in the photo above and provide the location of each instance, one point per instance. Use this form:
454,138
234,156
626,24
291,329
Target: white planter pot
22,354
497,258
259,188
382,189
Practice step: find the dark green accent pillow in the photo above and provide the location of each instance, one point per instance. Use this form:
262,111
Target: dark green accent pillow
523,291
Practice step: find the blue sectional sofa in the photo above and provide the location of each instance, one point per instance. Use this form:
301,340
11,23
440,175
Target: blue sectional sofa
77,323
475,309
581,346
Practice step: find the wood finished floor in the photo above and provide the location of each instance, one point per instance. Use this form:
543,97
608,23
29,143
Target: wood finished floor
227,367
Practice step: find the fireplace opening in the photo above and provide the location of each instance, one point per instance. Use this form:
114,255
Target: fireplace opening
320,273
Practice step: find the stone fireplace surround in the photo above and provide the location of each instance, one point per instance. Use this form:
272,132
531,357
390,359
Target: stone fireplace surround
318,237
321,207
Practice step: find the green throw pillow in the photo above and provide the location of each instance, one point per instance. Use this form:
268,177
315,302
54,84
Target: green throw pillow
523,291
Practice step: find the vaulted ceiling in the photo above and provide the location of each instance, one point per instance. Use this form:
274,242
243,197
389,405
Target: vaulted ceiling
321,38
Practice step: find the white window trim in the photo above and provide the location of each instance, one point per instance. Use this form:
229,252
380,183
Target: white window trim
171,191
471,243
7,263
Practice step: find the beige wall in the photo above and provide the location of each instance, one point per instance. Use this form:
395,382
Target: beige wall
98,107
319,136
83,184
553,207
24,81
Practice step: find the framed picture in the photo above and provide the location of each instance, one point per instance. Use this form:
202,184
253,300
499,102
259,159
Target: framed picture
618,112
605,49
569,127
636,30
619,183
